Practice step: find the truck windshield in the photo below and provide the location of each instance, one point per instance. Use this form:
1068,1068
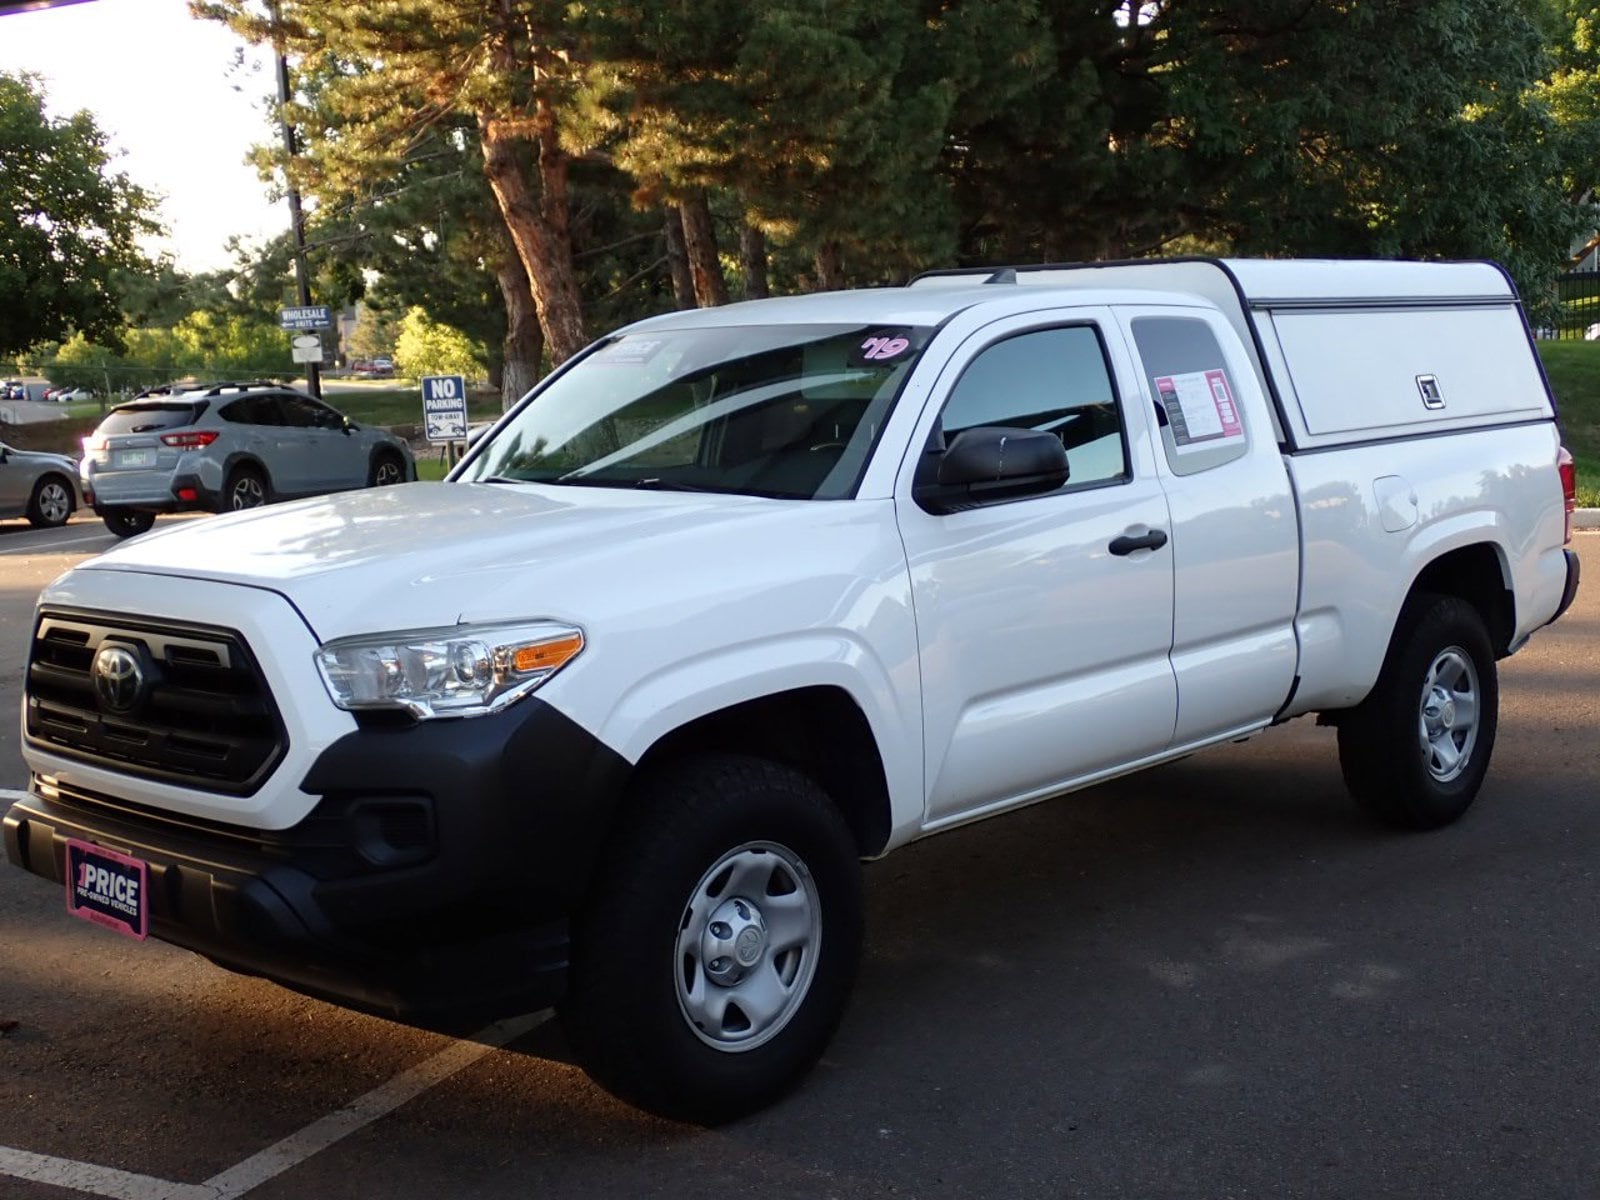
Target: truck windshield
787,411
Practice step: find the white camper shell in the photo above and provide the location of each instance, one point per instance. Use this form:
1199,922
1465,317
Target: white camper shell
1351,352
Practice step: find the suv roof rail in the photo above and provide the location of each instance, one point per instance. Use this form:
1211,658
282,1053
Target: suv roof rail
207,389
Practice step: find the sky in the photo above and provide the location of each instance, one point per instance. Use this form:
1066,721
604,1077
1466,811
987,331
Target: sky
160,83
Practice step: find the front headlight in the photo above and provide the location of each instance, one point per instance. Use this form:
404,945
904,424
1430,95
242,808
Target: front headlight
460,671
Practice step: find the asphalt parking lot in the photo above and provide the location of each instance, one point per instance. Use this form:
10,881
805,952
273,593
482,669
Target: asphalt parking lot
1210,980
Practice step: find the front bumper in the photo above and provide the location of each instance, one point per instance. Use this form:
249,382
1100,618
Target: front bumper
432,880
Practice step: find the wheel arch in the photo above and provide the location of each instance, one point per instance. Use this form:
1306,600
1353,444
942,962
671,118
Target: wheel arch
1481,575
383,450
244,458
819,730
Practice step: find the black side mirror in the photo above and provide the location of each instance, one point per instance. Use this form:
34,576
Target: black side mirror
993,463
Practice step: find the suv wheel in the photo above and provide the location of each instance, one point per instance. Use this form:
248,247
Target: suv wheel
246,488
386,469
126,522
51,503
718,948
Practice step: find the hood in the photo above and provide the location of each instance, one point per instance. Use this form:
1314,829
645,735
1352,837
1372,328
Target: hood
427,554
43,458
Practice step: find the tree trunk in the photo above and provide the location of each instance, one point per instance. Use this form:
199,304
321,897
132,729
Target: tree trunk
700,239
524,343
753,257
538,227
678,258
830,267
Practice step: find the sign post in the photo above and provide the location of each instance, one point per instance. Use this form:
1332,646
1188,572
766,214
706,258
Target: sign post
444,408
303,318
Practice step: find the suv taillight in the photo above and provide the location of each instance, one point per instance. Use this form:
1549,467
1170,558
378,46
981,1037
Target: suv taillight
1569,485
189,441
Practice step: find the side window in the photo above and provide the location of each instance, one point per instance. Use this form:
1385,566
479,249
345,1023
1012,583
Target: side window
250,410
1054,380
301,414
1196,404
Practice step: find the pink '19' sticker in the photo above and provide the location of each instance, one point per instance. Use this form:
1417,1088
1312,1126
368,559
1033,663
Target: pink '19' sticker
879,349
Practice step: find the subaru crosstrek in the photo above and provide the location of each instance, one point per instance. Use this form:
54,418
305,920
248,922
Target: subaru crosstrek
220,447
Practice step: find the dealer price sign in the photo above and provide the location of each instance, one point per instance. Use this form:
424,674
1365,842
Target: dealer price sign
108,889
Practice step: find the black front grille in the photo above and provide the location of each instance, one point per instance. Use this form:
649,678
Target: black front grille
202,716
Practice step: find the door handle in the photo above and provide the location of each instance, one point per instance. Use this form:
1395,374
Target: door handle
1126,545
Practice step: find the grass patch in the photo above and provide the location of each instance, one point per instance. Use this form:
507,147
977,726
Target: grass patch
1574,370
392,406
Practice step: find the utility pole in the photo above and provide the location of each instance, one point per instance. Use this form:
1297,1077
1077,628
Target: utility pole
297,220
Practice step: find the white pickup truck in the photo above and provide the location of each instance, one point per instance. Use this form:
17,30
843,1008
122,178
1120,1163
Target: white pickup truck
741,597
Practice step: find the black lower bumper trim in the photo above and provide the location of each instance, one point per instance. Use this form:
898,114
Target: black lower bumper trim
1570,592
433,880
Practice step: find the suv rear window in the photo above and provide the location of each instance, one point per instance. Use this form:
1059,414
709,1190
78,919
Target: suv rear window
147,418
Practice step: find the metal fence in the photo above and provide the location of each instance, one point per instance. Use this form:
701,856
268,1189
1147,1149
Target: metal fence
1578,294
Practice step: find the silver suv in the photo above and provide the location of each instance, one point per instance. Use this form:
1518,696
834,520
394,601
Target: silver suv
224,446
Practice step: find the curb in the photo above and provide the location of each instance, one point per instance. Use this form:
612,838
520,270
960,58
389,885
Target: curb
1586,518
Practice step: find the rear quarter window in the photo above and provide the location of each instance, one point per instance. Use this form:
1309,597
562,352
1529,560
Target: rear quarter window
149,418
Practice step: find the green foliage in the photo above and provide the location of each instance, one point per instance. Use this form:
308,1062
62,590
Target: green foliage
201,345
428,347
902,134
1574,371
68,223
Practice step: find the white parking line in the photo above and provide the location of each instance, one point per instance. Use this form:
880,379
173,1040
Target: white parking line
359,1113
280,1157
97,1181
50,547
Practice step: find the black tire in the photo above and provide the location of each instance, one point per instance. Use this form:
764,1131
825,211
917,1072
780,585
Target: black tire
634,983
51,503
246,488
127,522
387,468
1411,754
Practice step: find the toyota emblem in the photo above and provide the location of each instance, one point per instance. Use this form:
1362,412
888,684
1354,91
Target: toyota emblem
119,680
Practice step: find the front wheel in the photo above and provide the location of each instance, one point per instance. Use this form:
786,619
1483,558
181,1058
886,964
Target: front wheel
51,503
127,522
387,470
720,944
1415,751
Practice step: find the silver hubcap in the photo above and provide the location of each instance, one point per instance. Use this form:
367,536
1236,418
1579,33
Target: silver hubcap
388,473
54,506
248,492
747,946
1447,721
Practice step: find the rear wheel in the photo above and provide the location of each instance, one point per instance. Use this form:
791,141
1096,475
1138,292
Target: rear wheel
126,522
51,503
718,950
246,488
1415,752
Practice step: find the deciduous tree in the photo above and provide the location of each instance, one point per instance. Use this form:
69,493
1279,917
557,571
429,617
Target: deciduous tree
68,222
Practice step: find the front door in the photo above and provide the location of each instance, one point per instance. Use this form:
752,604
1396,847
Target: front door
1044,625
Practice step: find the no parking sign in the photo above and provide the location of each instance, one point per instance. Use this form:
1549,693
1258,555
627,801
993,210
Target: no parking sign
444,407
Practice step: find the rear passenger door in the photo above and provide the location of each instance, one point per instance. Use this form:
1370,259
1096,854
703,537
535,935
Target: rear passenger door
1235,545
1043,636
